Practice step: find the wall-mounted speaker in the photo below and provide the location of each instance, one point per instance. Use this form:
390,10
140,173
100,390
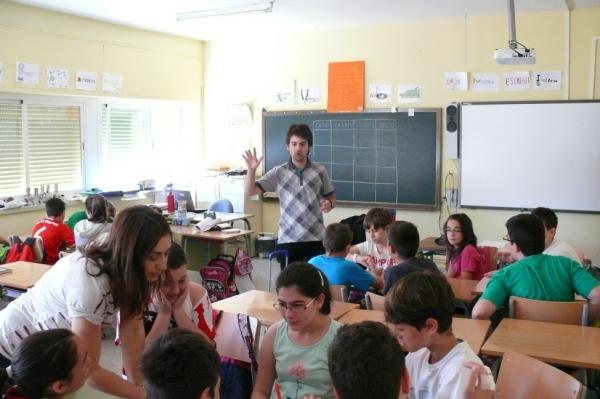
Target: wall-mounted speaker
451,135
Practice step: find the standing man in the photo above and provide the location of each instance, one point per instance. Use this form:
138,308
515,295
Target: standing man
304,191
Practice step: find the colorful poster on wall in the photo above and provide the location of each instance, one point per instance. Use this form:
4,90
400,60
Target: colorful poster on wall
85,80
410,93
57,78
456,81
517,81
346,87
546,80
310,95
485,82
27,73
380,93
112,83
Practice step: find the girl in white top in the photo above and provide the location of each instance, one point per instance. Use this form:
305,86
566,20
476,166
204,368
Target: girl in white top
374,253
179,302
82,291
97,225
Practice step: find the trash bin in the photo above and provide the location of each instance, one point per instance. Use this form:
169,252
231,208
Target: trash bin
265,244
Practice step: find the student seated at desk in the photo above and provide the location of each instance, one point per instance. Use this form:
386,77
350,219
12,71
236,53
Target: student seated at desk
293,354
463,260
54,233
404,244
179,302
421,306
47,364
553,246
97,224
534,275
366,361
340,271
180,364
373,253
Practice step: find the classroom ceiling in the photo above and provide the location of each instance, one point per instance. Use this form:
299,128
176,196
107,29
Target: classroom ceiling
287,15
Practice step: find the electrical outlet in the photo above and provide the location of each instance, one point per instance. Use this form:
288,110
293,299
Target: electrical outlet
452,197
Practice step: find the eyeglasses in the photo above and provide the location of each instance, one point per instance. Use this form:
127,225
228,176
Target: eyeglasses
294,307
507,238
457,230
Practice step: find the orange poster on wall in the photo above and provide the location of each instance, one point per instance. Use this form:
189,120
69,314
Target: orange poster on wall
346,87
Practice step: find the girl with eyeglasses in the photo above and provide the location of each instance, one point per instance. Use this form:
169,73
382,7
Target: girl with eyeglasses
463,260
293,354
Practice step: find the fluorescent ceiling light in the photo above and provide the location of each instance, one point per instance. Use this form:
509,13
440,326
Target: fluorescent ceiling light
249,8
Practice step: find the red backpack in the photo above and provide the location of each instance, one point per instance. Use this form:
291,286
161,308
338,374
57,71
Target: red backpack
218,279
20,251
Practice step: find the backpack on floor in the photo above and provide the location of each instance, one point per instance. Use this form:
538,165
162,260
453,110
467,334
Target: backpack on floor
20,250
217,277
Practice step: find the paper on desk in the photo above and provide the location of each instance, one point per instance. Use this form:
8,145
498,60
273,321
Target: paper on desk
207,224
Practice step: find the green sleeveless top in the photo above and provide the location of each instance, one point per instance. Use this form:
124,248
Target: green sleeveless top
302,370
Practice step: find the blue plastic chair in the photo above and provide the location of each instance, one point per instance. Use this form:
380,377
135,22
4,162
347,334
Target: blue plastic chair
222,205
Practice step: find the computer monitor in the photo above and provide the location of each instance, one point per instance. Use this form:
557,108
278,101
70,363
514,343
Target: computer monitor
184,195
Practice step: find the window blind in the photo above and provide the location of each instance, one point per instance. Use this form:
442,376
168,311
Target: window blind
12,168
54,146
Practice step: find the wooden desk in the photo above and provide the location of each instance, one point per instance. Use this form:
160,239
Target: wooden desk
259,304
428,244
561,344
471,331
463,289
23,276
480,287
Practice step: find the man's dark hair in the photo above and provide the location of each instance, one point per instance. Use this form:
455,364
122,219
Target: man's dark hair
180,364
548,217
377,218
337,237
527,231
404,238
366,361
300,130
419,296
55,207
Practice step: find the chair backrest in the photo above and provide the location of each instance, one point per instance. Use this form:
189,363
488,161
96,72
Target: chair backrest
575,312
222,205
374,301
523,377
37,246
490,257
339,293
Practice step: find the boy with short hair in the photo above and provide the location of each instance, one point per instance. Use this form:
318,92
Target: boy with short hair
366,361
181,365
374,253
420,306
534,275
336,268
54,233
403,239
552,246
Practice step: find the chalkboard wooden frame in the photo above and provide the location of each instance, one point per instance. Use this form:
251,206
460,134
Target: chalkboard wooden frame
417,139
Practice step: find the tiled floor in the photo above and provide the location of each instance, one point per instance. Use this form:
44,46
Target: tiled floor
111,354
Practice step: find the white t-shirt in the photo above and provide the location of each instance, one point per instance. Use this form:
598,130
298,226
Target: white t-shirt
66,291
561,248
383,258
445,379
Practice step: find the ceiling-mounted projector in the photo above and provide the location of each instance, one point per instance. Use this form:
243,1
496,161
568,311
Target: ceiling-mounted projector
514,55
509,56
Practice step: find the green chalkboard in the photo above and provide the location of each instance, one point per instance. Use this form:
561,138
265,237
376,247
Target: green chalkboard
389,159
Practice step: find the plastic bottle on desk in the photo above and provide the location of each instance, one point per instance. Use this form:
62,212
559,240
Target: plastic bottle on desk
170,202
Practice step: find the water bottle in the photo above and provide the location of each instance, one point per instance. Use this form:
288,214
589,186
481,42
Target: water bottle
170,202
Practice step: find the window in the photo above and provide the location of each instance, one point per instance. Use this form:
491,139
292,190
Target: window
40,144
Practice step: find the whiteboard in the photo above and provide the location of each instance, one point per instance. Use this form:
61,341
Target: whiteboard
525,155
